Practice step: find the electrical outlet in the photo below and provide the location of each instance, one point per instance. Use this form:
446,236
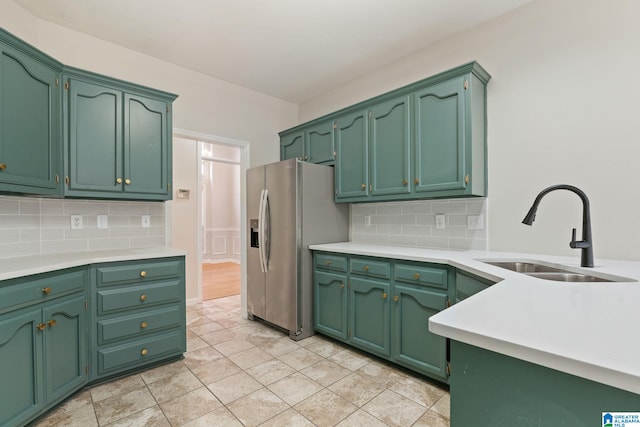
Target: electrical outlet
367,220
102,221
76,222
145,221
440,221
475,222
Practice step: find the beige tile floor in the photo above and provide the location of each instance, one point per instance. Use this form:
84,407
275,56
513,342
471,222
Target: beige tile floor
243,373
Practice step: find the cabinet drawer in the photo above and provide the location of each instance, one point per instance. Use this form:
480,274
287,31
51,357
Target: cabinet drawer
112,300
138,324
140,352
420,275
138,272
370,267
331,262
41,287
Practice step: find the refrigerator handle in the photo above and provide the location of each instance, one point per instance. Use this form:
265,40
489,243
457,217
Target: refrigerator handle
260,231
266,231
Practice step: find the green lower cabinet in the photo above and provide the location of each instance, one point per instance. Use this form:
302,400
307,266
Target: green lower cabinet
414,346
330,304
43,357
492,389
369,315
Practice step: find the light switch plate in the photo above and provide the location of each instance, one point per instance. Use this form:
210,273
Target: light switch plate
440,221
145,221
76,222
102,221
475,222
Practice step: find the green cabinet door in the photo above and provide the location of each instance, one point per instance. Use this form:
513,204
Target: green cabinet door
30,120
439,140
330,304
320,143
65,346
352,156
146,150
94,135
21,373
292,146
369,315
389,138
414,346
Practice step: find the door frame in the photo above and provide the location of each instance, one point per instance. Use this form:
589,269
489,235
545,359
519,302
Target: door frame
243,146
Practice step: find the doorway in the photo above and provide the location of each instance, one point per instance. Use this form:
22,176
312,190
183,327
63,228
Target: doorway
220,219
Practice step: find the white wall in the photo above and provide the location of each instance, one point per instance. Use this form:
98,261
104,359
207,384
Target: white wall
562,108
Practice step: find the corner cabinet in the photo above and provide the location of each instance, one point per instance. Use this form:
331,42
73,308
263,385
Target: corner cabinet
30,117
382,306
117,139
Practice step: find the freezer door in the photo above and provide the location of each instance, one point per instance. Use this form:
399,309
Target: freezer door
255,277
283,269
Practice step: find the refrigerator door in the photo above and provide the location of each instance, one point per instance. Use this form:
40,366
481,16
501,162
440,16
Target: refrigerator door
255,277
282,231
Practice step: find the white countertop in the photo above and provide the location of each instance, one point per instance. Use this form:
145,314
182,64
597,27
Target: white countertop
586,329
26,265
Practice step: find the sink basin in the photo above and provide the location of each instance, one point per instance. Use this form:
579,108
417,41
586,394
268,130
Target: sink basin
547,272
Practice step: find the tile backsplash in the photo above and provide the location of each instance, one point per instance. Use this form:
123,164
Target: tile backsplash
413,223
33,226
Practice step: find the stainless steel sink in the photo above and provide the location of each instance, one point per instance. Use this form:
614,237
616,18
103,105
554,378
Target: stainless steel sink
547,272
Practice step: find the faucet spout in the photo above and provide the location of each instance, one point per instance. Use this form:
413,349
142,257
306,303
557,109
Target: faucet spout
586,244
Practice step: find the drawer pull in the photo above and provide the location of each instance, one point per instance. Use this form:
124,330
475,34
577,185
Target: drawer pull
384,295
416,181
396,298
144,325
366,268
144,352
118,180
52,323
405,182
364,186
416,276
127,181
328,262
143,297
3,166
143,273
46,291
41,326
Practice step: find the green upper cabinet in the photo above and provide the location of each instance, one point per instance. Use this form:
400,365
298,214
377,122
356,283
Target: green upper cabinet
352,156
320,143
389,145
30,115
118,140
292,146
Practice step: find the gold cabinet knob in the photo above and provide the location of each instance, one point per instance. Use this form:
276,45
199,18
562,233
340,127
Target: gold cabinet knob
52,322
41,326
3,166
396,298
118,180
143,297
328,262
405,182
46,291
127,181
416,181
416,276
144,352
143,273
144,325
384,295
364,186
366,268
341,285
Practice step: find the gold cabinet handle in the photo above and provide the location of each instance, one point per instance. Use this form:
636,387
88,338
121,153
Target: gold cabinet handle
144,325
41,326
143,273
341,285
416,181
52,322
396,298
405,182
118,180
3,166
144,352
384,295
328,262
143,297
364,186
416,276
127,181
366,268
46,291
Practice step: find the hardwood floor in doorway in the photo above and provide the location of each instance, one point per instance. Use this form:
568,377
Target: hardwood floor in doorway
220,280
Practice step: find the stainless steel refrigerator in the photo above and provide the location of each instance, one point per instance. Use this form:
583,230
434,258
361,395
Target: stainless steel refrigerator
290,205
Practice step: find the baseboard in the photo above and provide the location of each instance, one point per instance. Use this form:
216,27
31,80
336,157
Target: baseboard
220,261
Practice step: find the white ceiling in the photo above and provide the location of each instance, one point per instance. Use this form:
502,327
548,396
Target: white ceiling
291,49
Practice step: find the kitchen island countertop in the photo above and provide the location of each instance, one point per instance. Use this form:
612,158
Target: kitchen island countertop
11,268
584,329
